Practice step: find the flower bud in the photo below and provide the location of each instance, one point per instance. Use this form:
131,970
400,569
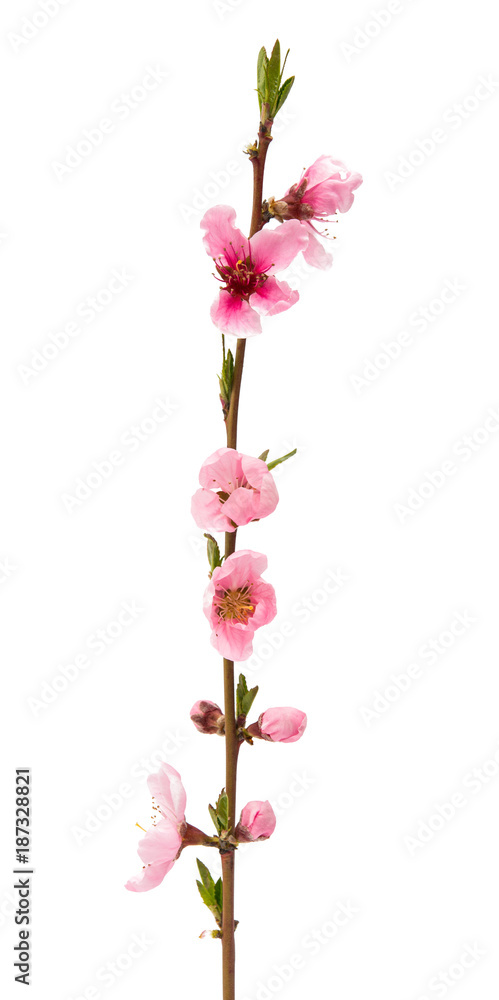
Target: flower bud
257,822
208,717
291,205
279,725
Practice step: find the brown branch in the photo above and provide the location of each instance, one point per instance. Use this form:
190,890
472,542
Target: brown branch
231,741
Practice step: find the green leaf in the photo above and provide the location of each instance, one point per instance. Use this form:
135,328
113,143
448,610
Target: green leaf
206,878
261,75
210,892
284,93
214,817
244,697
283,66
263,456
274,75
241,692
277,461
229,367
219,893
248,700
225,380
205,895
213,552
242,687
223,810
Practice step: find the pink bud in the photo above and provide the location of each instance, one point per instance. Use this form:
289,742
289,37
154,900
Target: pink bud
208,717
282,725
257,822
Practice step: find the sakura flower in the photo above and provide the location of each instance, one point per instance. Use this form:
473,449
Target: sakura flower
246,268
236,489
237,602
159,850
208,717
257,822
165,840
280,725
324,188
162,843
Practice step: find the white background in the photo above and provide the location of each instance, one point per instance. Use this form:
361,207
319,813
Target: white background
133,203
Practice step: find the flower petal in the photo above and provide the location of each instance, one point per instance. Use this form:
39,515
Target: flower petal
283,725
257,822
315,255
274,249
169,792
274,296
235,316
233,640
222,238
161,844
149,878
209,512
242,566
323,168
333,195
242,506
264,598
221,470
255,470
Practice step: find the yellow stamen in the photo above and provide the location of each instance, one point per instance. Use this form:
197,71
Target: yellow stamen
235,605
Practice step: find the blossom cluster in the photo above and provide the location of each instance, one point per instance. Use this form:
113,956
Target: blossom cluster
167,837
234,490
247,267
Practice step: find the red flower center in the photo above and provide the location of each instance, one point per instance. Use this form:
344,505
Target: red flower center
240,279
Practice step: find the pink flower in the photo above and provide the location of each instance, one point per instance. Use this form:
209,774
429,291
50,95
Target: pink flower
257,822
237,602
246,269
208,717
162,843
324,188
280,725
159,850
236,489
